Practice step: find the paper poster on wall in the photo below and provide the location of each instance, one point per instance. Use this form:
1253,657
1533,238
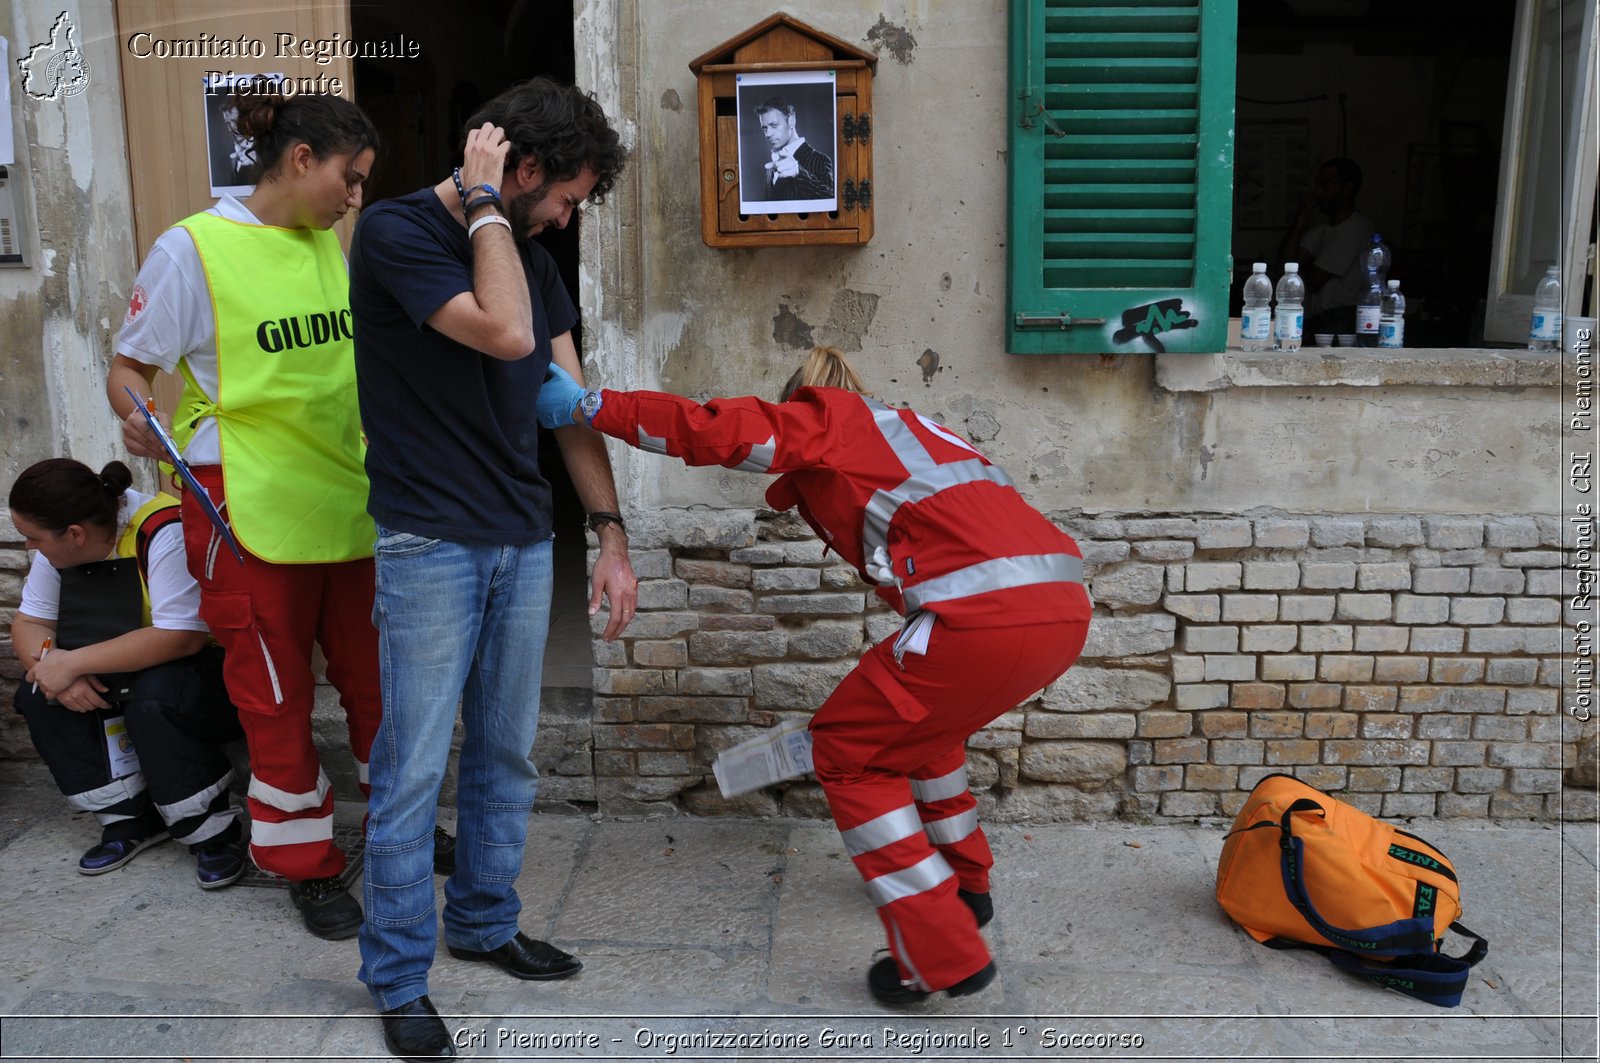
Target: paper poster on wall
787,148
7,148
231,156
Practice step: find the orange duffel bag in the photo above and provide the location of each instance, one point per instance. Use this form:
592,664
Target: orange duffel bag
1301,869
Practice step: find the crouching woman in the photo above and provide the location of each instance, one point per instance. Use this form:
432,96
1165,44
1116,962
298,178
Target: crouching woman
123,695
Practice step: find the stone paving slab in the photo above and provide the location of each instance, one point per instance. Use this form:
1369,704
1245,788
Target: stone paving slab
758,933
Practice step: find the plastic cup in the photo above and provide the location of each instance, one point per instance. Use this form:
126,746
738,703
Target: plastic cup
1324,339
1347,339
1577,335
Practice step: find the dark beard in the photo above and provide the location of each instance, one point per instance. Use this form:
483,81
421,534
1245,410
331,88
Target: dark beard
520,210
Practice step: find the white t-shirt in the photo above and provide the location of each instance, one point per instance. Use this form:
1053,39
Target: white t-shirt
1339,250
170,319
174,594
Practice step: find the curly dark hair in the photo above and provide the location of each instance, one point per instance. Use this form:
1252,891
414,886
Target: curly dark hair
560,127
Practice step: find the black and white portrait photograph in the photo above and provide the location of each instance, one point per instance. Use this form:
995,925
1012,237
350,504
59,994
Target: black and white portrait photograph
231,155
787,149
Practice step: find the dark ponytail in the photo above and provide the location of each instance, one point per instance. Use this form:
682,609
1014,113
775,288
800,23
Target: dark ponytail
59,492
329,125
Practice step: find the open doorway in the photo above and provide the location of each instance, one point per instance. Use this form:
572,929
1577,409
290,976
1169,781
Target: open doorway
1416,95
420,107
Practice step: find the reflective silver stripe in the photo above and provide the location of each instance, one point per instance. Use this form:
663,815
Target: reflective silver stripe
107,818
904,954
285,801
362,772
887,829
272,669
291,832
760,459
109,794
918,878
196,803
952,829
209,828
996,574
941,789
925,478
651,444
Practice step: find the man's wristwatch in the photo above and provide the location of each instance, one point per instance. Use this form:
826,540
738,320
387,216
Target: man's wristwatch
601,517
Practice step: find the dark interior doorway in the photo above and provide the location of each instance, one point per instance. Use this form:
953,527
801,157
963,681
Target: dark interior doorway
470,53
1415,93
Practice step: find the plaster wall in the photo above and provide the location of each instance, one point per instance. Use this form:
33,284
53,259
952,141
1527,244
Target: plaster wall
59,315
921,309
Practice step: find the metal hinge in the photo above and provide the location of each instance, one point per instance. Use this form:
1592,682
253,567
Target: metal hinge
1056,321
857,126
857,194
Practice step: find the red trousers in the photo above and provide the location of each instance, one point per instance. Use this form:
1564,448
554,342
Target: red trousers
266,617
889,748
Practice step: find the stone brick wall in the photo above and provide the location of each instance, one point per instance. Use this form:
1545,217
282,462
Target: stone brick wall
1413,664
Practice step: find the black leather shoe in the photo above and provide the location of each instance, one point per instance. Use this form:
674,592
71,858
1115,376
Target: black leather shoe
444,852
980,903
523,957
883,980
327,907
415,1031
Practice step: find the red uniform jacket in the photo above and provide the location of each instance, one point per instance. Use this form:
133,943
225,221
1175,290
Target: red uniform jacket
924,517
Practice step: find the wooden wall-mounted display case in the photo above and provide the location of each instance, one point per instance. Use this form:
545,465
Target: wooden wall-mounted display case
760,94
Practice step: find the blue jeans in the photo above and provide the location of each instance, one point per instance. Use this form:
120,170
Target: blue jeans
456,622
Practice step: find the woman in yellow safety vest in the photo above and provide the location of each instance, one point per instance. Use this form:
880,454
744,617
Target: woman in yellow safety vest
249,303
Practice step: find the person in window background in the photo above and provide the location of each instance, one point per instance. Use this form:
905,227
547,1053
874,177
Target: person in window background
125,639
995,610
1329,239
796,170
249,302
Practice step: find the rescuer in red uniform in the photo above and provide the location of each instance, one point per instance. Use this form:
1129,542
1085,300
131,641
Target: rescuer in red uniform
995,610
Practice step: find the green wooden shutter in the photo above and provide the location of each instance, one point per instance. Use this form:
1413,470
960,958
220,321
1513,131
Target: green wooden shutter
1121,153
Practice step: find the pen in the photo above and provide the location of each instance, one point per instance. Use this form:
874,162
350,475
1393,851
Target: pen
44,648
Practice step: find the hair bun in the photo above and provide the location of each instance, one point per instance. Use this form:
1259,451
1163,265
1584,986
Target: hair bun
116,477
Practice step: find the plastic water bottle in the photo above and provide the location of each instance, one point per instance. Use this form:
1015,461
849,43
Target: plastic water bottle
1291,315
1544,331
1378,259
1369,308
1255,321
1392,322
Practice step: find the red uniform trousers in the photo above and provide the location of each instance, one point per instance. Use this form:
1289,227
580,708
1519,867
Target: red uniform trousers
266,616
889,748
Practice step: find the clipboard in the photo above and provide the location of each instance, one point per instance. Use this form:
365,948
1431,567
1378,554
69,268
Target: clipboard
181,467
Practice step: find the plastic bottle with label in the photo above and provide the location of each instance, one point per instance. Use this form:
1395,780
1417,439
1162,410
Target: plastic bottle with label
1369,307
1544,330
1289,318
1392,322
1255,320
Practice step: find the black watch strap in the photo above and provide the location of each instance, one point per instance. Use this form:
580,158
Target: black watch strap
600,517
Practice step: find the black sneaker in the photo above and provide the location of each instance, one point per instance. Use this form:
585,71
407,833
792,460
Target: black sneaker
444,852
980,903
883,980
108,856
327,907
218,864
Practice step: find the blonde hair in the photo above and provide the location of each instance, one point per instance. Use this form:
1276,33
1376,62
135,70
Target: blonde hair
824,367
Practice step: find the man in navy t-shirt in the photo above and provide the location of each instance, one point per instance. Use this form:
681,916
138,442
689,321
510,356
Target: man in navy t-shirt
457,315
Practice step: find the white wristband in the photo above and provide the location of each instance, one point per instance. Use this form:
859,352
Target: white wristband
487,219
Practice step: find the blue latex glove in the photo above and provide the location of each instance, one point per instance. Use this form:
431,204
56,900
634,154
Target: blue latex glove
558,396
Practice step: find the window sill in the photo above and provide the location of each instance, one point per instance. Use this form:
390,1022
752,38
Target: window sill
1359,367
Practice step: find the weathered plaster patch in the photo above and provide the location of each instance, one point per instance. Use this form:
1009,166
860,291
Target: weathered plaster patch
896,40
789,330
928,361
670,101
982,426
849,317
